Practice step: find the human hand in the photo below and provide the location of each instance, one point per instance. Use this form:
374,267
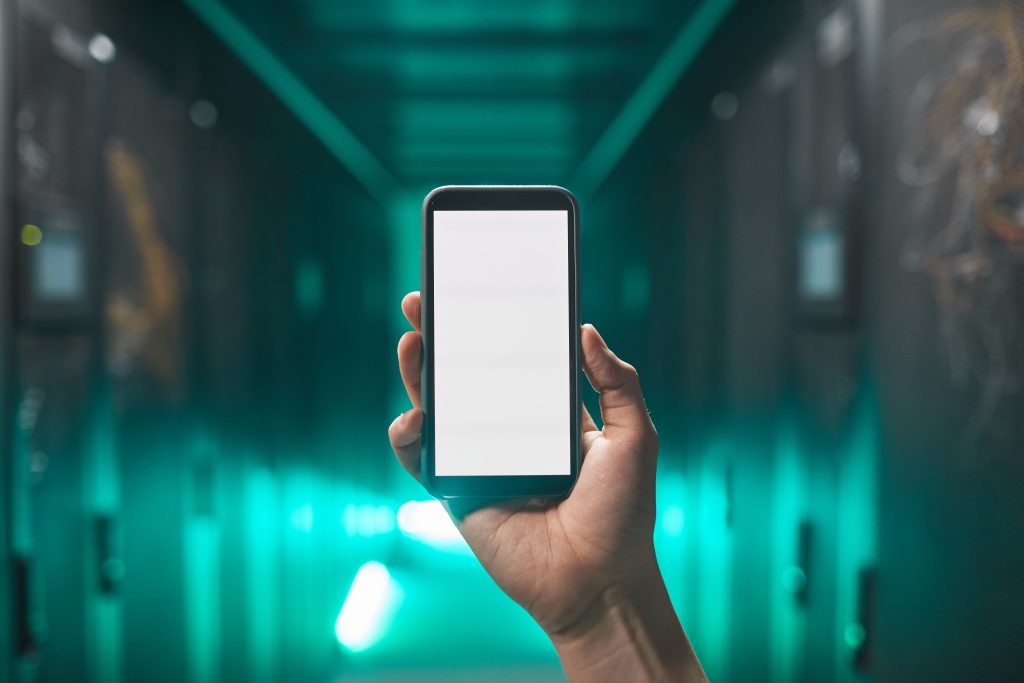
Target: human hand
584,567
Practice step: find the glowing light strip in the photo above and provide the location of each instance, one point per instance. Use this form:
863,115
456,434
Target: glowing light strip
369,607
638,110
298,98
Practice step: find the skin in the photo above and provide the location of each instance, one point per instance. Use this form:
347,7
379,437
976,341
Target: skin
583,567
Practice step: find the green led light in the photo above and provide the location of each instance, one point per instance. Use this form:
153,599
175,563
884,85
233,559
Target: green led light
31,235
369,608
854,635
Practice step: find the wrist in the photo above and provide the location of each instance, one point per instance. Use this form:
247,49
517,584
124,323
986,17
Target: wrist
629,632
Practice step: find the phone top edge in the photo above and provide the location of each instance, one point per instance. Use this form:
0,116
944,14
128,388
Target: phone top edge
558,189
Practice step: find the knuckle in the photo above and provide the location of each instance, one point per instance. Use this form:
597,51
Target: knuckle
629,372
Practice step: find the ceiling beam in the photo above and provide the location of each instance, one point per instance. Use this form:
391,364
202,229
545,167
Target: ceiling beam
645,100
298,98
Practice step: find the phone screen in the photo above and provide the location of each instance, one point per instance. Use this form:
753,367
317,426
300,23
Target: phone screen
501,343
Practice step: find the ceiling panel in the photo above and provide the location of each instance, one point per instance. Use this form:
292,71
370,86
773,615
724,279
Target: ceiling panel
475,89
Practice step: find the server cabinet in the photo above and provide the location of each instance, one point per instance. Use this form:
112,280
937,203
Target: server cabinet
774,421
757,372
56,344
834,391
148,212
7,160
948,277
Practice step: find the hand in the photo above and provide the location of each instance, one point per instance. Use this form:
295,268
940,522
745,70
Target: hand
584,567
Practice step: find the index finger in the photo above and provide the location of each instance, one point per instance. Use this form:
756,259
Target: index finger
411,308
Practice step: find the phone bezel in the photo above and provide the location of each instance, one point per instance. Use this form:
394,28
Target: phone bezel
498,198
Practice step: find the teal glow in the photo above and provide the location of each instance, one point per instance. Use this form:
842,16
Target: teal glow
369,608
535,120
262,576
309,288
302,518
367,520
454,617
474,152
636,288
640,107
670,542
407,16
793,579
298,98
450,64
103,494
673,519
712,617
403,222
856,512
426,521
203,598
350,519
789,492
525,137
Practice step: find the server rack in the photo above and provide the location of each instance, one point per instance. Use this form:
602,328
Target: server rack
950,599
7,236
761,397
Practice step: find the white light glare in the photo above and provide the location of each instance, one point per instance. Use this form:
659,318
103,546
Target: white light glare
102,49
369,607
427,522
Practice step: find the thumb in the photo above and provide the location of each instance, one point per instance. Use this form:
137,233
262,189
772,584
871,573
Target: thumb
623,409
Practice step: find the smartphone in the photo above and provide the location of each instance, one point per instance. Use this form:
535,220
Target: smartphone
500,317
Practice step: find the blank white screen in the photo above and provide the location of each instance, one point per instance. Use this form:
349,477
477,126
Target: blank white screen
501,346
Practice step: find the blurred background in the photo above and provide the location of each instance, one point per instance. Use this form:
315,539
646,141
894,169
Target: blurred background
803,221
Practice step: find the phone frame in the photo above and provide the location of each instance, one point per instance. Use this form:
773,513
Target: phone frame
498,198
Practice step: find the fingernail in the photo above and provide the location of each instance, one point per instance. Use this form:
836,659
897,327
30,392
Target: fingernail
599,337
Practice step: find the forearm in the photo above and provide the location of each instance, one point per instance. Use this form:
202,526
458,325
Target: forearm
630,633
